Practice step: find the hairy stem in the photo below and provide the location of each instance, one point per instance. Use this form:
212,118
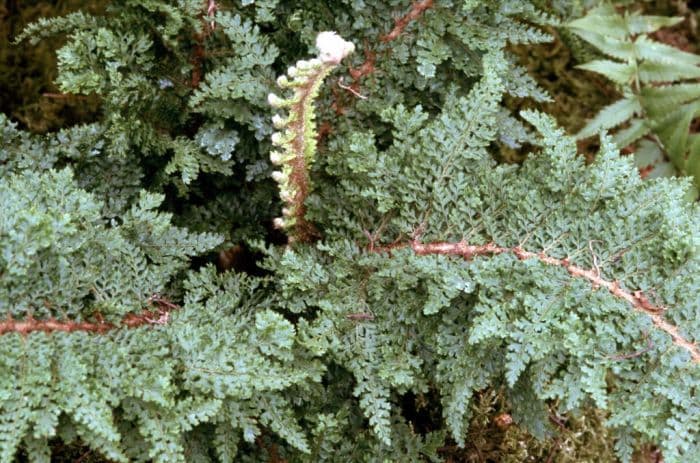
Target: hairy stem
158,316
367,67
637,299
417,9
296,138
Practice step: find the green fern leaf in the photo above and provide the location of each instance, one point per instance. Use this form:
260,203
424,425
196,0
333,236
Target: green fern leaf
660,100
620,48
647,49
619,73
651,72
645,24
612,116
603,21
637,129
692,165
673,132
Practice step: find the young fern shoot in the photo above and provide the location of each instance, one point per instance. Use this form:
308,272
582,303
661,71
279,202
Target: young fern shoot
296,135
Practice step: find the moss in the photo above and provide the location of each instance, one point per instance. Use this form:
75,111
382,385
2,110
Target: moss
494,437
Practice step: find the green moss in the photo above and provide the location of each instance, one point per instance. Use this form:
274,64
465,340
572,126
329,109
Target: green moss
492,438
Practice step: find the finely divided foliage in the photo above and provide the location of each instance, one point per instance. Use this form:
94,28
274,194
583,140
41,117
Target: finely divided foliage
431,269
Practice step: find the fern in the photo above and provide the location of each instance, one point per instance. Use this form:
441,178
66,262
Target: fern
658,102
296,137
527,301
410,266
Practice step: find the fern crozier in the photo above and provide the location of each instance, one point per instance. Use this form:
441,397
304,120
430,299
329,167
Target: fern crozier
296,138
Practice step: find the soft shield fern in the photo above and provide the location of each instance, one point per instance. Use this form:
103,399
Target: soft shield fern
533,278
92,350
415,267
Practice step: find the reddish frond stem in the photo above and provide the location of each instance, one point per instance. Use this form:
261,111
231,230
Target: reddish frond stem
30,324
62,96
299,176
417,9
400,24
639,353
637,299
360,316
160,315
365,69
198,51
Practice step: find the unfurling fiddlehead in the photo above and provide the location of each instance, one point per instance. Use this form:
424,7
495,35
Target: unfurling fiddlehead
296,135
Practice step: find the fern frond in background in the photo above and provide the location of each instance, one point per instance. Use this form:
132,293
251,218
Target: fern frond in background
660,97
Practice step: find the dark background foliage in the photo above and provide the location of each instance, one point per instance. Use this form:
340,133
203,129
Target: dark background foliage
27,92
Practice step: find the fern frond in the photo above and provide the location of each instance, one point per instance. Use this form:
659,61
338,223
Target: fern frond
612,116
620,73
651,50
297,131
661,99
664,111
637,129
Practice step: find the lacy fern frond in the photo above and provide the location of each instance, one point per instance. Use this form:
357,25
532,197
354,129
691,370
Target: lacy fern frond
425,278
552,299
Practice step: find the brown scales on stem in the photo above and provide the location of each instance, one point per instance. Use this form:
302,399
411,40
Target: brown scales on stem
417,9
305,231
637,299
400,24
365,69
160,315
273,453
62,96
198,51
196,60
